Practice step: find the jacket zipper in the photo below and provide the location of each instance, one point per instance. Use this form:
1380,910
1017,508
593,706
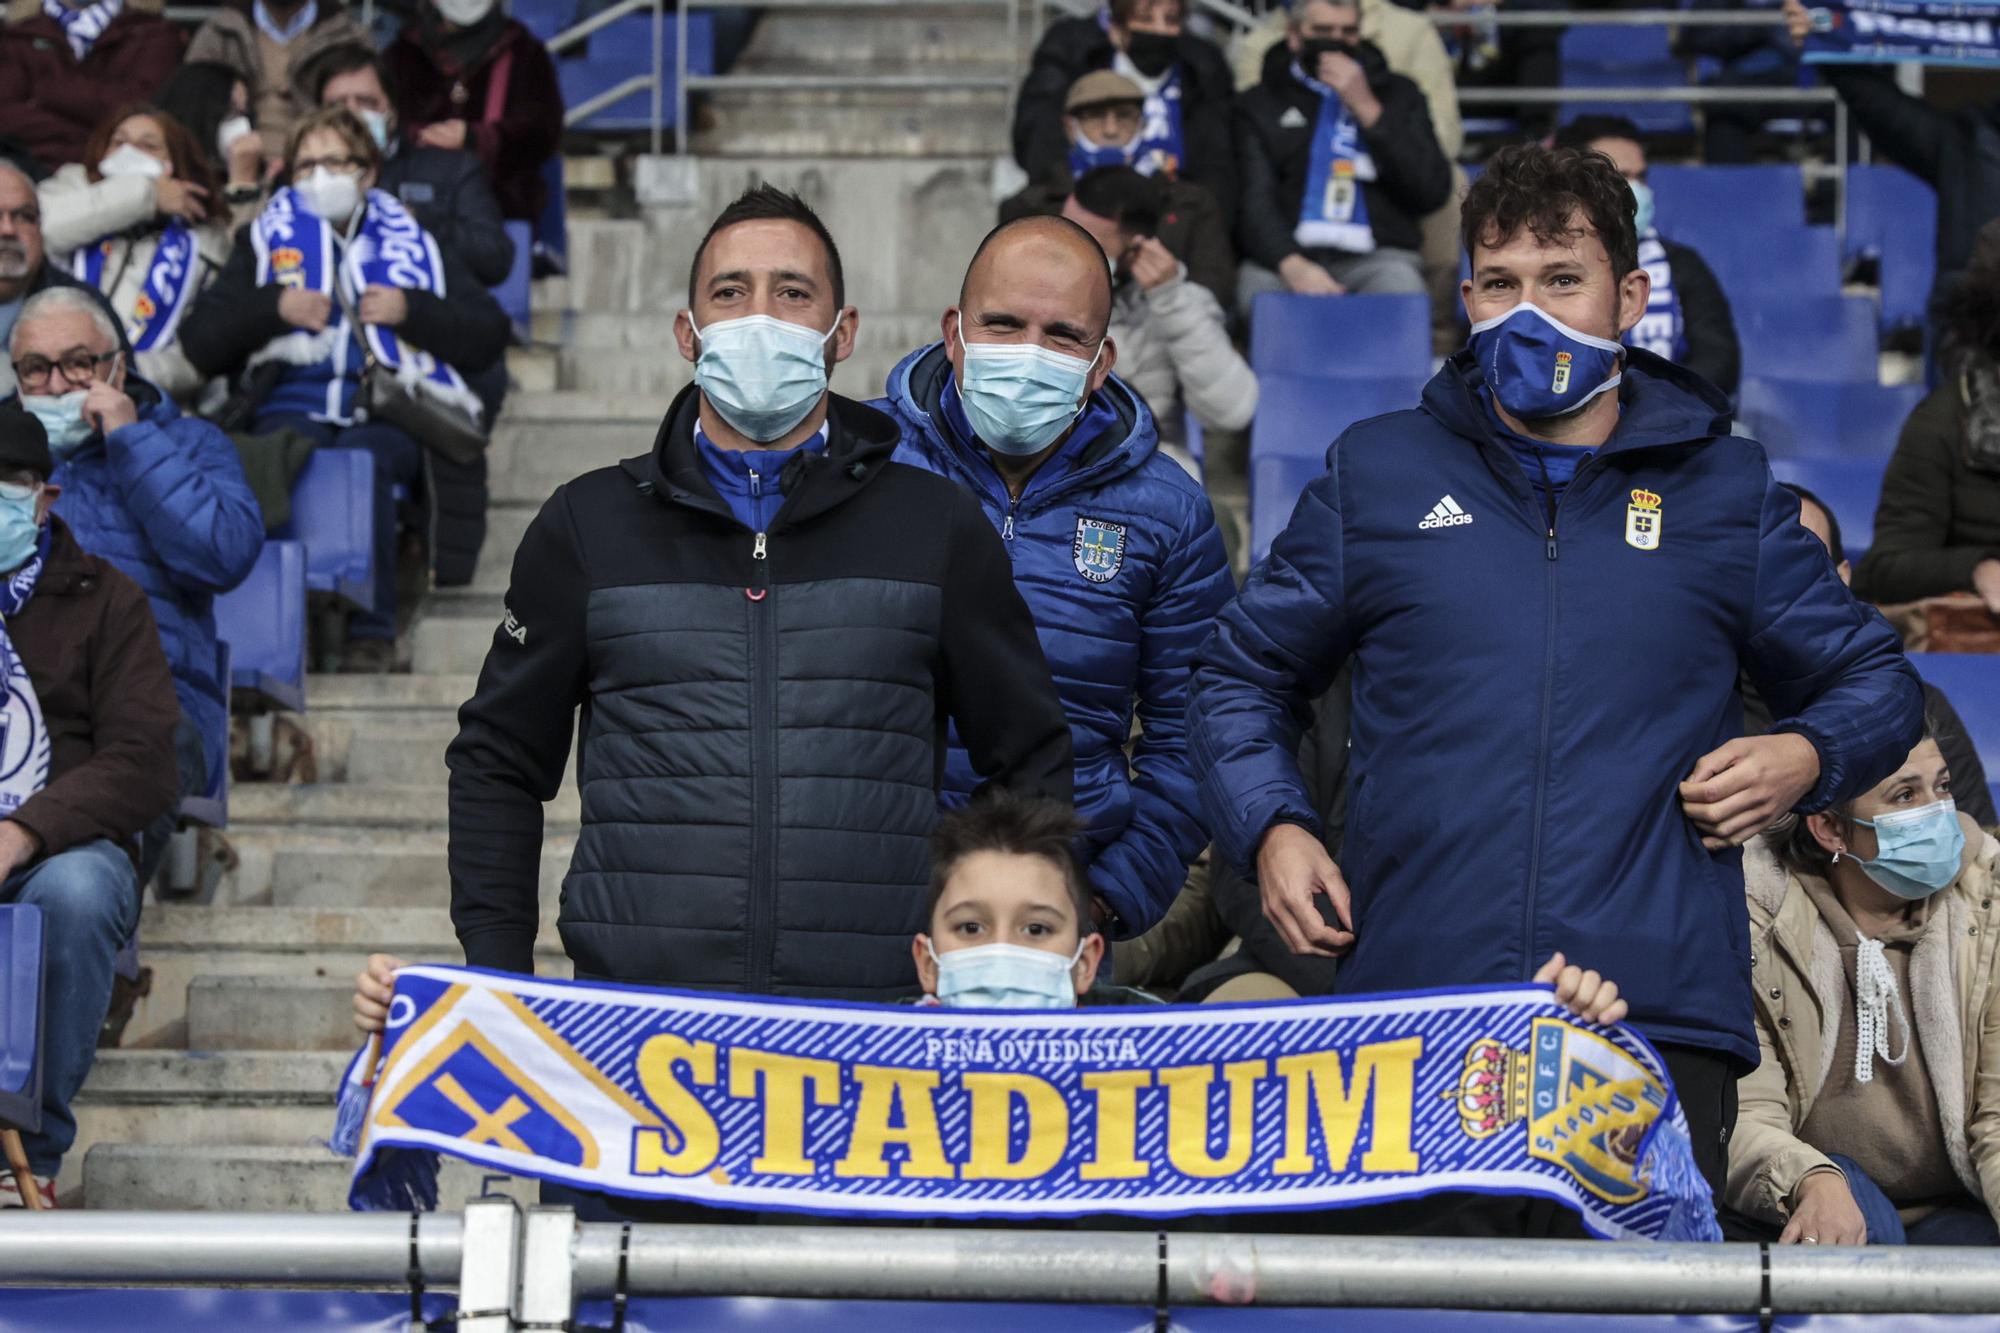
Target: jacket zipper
763,769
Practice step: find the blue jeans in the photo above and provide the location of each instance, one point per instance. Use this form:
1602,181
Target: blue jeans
89,897
1954,1224
399,461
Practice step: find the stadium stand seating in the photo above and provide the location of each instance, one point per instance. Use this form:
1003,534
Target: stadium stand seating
1298,419
1350,336
333,517
1972,682
1822,339
1850,487
263,620
621,50
1892,220
1712,199
1806,418
1625,57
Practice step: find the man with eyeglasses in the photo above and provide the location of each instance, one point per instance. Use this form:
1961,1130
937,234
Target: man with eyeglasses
160,495
87,716
24,269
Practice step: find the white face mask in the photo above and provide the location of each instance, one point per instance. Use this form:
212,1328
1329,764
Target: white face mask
332,195
229,131
126,160
464,13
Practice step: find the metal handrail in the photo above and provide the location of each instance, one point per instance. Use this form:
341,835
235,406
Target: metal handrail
1607,18
569,37
1698,96
240,1249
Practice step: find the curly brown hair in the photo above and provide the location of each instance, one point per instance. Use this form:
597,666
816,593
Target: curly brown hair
1543,190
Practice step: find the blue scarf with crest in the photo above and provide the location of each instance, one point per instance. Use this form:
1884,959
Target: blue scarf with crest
24,740
170,283
1333,215
1661,330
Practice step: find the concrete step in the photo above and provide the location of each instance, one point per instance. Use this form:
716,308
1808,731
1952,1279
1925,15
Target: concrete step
554,451
387,693
505,524
448,644
357,868
271,1013
346,805
622,355
913,37
861,125
256,1179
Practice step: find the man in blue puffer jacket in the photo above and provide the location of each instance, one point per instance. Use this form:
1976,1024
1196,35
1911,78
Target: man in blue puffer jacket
160,495
1114,548
1545,578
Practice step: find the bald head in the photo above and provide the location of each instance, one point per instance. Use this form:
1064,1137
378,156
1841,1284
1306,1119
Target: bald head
1049,261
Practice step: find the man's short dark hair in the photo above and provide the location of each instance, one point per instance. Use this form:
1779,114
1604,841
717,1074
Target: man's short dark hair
1121,11
1834,547
1123,196
1587,130
1543,189
768,203
997,820
346,59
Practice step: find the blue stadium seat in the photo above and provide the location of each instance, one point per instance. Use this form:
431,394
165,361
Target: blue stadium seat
544,18
21,1017
1298,419
333,517
1892,218
513,293
1747,264
1972,682
1821,339
1850,486
623,49
1340,337
1805,419
263,620
1688,197
1600,57
551,239
1196,440
211,808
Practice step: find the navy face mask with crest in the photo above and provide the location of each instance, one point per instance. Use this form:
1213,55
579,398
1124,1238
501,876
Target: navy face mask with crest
1539,367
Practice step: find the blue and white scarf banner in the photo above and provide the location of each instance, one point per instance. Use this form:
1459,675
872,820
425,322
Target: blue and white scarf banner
295,248
1333,212
894,1111
1662,330
169,287
24,737
1930,32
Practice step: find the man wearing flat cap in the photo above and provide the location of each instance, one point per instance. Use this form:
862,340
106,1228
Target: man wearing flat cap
87,714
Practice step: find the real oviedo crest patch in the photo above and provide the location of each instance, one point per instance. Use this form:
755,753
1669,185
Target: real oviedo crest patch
1099,549
1642,521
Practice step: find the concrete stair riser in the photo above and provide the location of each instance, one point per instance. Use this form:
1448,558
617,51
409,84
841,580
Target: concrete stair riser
357,868
255,1179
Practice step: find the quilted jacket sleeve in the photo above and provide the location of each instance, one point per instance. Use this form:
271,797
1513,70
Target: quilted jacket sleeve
183,482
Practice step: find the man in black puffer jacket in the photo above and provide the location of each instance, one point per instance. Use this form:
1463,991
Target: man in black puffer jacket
767,625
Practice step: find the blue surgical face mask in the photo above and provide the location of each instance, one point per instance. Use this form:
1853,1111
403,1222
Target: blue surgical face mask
1006,976
1642,201
762,374
62,417
1917,852
18,529
1088,155
1020,397
1538,366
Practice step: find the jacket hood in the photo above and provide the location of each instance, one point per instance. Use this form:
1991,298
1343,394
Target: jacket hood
1659,403
918,380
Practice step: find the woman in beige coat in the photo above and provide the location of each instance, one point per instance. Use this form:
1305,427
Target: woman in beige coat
1875,1114
144,222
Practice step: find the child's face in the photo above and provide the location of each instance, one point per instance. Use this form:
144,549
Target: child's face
1004,898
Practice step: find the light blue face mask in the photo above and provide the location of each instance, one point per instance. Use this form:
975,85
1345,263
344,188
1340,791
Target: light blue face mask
1539,367
1020,397
62,417
761,373
377,123
1642,201
1005,976
18,530
1917,852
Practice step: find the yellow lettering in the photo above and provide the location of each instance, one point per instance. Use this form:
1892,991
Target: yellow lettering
883,1088
1117,1138
992,1108
1187,1116
784,1079
692,1127
1387,1070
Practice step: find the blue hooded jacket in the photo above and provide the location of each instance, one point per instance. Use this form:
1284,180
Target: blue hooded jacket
1527,702
1114,640
165,500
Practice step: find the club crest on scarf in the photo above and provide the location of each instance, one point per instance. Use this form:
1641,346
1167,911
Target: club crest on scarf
24,738
889,1111
168,289
1642,521
1099,549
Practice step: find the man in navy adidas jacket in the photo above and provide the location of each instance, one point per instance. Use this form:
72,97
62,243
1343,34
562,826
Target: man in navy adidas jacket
1113,545
1546,577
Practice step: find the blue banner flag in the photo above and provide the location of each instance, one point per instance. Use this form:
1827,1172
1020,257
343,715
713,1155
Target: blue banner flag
878,1110
1931,32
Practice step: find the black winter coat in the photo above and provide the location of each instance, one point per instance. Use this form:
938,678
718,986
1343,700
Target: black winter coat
1713,352
448,195
763,718
1938,516
1072,48
1274,130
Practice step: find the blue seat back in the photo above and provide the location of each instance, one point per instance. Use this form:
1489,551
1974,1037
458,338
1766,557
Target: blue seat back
1744,262
1333,337
211,807
263,619
551,239
1815,338
513,293
1851,487
1972,682
21,1016
333,517
1298,419
1892,218
1804,419
1743,199
623,49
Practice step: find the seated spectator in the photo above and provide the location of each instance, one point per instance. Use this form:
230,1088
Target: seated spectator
1952,737
296,298
1937,528
24,266
160,495
1490,55
97,705
1868,1120
1172,337
1102,116
213,102
1687,318
473,80
274,46
146,225
1338,162
1745,56
60,67
1185,126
